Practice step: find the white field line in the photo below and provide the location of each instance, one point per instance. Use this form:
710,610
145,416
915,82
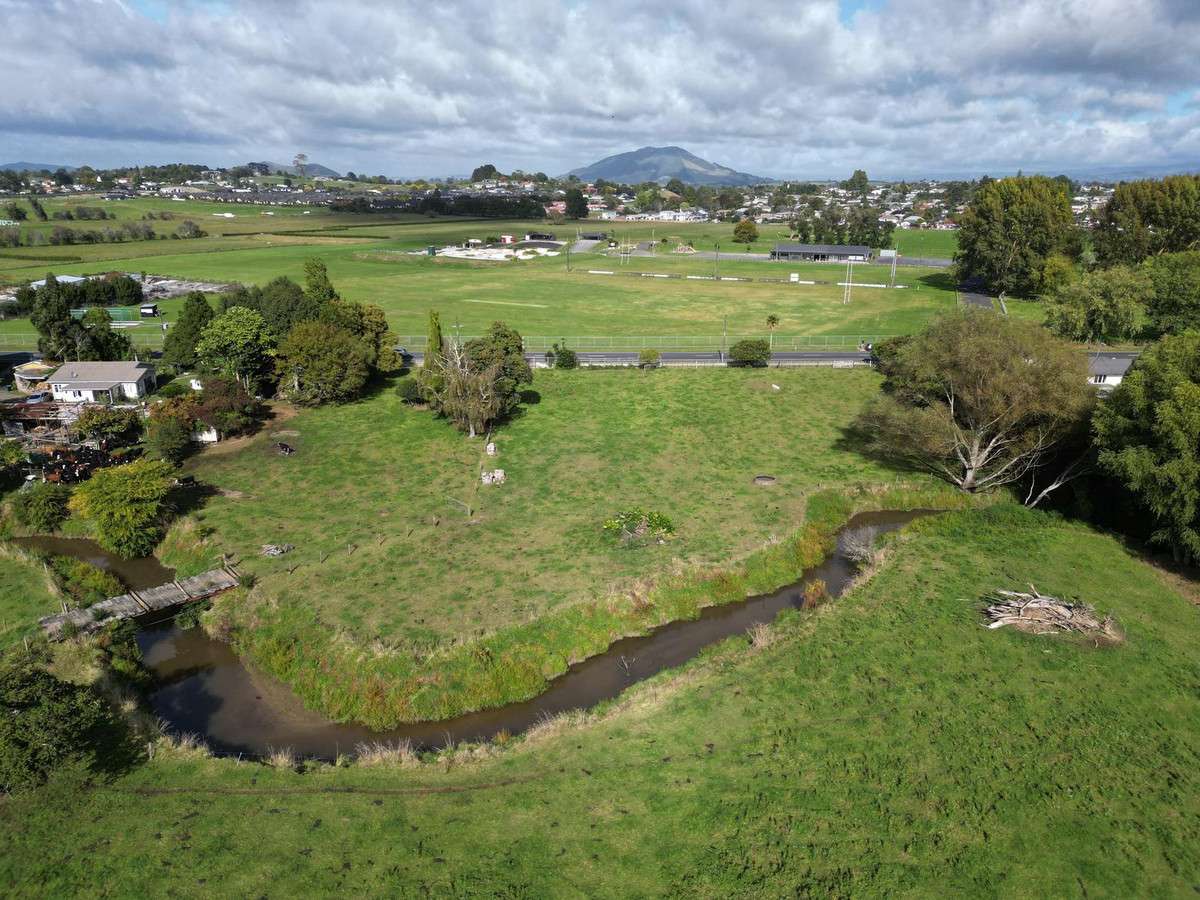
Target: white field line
506,303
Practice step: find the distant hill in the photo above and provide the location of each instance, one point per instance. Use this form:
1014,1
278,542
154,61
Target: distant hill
309,169
34,167
661,164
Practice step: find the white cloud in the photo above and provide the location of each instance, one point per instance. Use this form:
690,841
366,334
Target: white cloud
908,86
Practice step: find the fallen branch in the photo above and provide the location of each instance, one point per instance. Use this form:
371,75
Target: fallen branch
1036,613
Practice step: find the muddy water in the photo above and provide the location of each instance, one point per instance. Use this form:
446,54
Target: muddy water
203,687
140,573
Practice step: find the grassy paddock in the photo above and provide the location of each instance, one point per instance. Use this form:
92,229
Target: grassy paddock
883,745
387,557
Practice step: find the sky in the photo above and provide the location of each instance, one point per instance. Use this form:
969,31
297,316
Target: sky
901,88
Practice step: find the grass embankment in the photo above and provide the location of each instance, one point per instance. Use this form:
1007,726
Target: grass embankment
885,745
27,592
393,580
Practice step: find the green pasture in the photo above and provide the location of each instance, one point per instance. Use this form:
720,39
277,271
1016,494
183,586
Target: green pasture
886,745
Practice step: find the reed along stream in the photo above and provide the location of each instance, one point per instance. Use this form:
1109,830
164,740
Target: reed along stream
203,687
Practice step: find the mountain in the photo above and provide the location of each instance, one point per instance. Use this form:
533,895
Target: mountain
33,167
309,169
661,164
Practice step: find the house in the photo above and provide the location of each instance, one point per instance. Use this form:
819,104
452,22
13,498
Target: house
1106,370
821,253
101,382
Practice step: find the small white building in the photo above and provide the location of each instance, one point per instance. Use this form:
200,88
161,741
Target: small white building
1106,371
101,382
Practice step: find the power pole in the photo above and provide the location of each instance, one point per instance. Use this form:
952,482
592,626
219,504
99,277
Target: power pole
716,263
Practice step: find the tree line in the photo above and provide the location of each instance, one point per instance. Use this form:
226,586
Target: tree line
1136,274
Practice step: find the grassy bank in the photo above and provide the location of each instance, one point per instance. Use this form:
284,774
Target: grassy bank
884,745
27,592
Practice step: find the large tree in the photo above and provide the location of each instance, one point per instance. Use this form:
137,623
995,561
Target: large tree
577,207
467,393
978,399
127,504
1175,304
281,303
1148,435
1102,306
236,343
502,349
179,348
322,363
745,232
1011,228
1145,218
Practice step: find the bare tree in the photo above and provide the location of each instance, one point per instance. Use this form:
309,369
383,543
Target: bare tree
300,161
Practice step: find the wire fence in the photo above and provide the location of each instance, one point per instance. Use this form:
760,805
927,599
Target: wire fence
142,340
681,342
152,339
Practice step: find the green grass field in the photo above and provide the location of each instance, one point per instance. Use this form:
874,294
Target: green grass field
398,564
925,242
886,745
367,260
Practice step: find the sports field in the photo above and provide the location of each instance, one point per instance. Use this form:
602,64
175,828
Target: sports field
369,261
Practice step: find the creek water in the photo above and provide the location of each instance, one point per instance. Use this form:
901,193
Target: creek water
203,687
139,573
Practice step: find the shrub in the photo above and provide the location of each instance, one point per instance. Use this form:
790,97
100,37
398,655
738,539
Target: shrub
649,359
409,390
46,722
563,357
815,593
42,507
109,423
86,584
173,389
637,524
750,352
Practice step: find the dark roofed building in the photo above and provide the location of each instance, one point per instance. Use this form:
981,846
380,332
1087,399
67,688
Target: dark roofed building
821,253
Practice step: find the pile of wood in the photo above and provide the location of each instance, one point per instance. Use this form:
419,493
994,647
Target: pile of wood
1036,613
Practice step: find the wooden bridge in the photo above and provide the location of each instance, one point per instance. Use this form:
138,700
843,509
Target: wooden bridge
139,603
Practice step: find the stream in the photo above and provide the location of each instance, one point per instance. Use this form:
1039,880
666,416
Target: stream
203,687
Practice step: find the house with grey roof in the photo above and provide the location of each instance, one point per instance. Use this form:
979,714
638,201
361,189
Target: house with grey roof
1105,370
101,382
